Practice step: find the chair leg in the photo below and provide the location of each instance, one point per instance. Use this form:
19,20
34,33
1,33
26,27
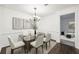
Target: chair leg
27,50
12,50
46,45
42,48
24,49
49,42
36,50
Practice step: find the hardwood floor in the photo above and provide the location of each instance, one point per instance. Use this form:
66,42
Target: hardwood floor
63,49
7,50
57,49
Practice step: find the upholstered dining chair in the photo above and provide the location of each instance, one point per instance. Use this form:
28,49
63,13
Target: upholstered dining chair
15,44
38,42
0,50
46,39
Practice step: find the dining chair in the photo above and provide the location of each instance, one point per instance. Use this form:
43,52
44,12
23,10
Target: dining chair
15,44
27,40
38,42
0,50
47,39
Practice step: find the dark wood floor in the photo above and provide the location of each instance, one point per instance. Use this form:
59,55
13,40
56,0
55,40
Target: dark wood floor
63,49
58,49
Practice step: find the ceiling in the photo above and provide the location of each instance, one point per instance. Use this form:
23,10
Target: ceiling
42,9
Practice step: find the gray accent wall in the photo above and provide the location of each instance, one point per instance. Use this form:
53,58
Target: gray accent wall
64,22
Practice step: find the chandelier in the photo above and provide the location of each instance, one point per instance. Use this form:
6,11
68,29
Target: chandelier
34,21
35,17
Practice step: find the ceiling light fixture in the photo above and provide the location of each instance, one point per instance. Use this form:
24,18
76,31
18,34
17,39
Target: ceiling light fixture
34,21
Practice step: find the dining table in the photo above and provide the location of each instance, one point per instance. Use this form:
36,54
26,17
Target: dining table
27,42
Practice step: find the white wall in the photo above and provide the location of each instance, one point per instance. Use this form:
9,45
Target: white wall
6,21
51,23
77,28
1,19
6,24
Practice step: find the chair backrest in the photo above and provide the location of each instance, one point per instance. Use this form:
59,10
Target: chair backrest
39,33
0,50
48,36
21,37
26,38
11,41
39,40
14,37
